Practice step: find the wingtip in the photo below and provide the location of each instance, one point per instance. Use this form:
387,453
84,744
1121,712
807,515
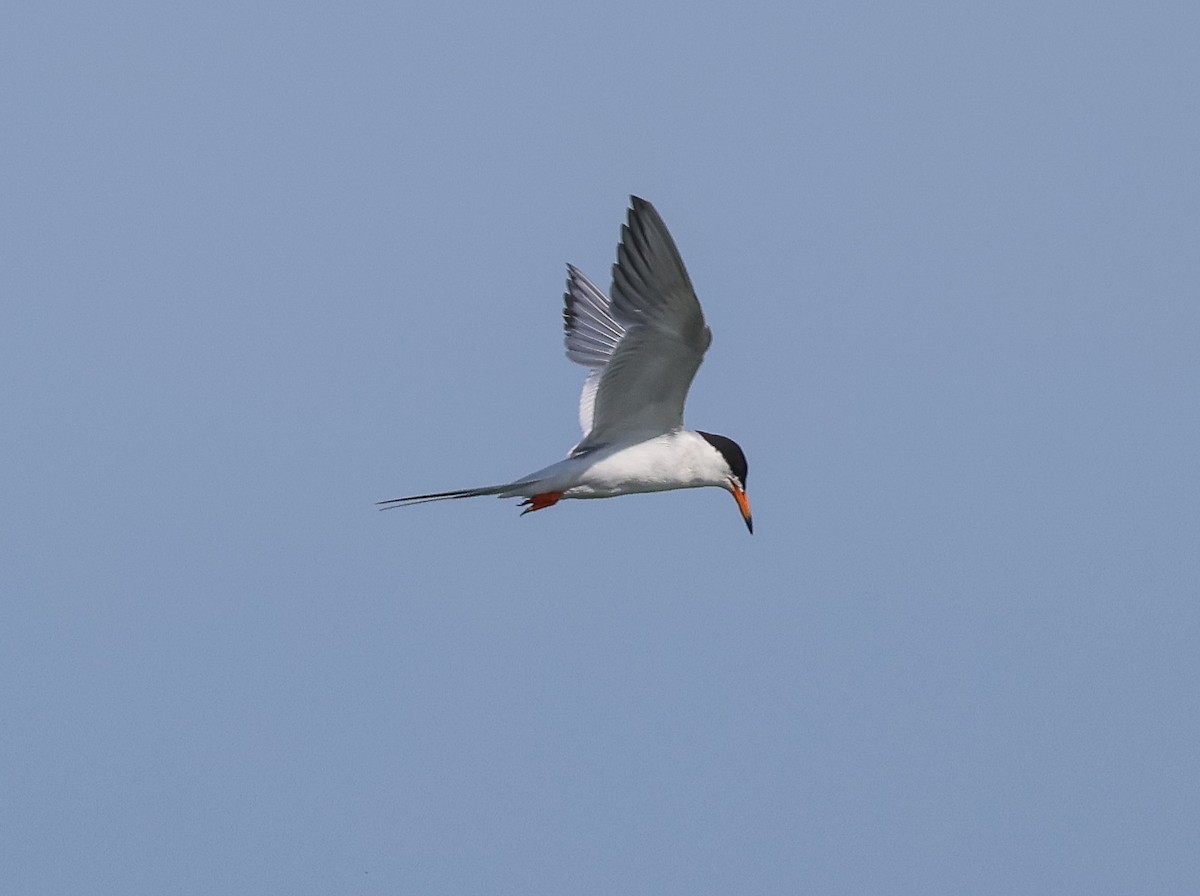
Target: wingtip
639,205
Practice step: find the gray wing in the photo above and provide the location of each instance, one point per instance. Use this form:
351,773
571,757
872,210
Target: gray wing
640,390
591,336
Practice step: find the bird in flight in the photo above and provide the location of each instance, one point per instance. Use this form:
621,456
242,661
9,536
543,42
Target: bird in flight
642,345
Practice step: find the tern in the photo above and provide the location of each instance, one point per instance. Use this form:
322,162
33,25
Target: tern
642,345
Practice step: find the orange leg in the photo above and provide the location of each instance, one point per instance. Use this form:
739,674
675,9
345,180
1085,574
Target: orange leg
540,502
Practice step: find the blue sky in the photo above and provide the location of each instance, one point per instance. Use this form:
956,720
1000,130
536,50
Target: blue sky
265,265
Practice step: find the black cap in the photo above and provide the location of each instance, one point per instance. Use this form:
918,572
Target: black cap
732,452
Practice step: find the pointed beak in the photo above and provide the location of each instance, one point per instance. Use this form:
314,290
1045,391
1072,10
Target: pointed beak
739,495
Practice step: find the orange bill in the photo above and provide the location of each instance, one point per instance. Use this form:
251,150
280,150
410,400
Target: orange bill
743,503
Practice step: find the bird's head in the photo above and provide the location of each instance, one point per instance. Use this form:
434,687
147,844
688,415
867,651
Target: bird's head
736,471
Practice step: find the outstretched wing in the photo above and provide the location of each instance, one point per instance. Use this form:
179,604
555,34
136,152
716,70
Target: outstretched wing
644,344
591,336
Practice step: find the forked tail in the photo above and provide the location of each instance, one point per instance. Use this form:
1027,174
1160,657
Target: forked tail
393,503
536,497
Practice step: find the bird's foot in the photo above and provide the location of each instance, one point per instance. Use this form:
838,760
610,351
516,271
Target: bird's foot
540,502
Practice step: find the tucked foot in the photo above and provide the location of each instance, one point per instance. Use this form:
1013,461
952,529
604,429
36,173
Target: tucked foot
540,502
